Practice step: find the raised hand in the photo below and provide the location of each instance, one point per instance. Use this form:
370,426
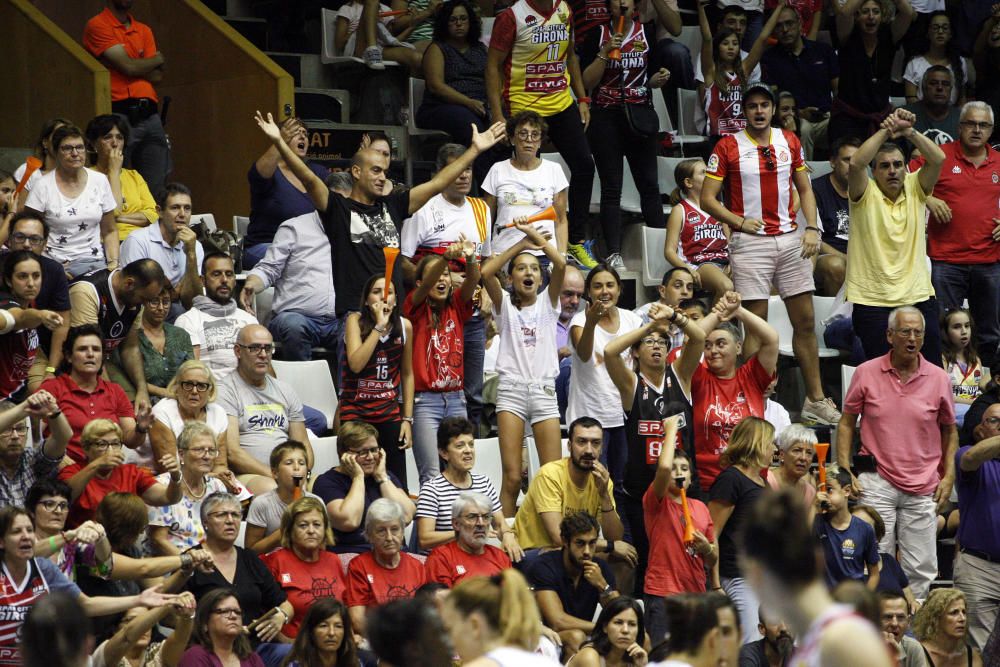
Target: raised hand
537,238
143,415
486,140
349,465
269,127
168,462
41,404
660,312
595,311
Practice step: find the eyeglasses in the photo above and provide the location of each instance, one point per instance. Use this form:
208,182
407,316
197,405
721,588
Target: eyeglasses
993,421
906,333
258,348
525,135
104,445
973,125
54,505
191,385
476,518
458,19
368,451
939,27
236,516
204,451
231,613
158,303
765,152
20,429
654,342
69,150
34,239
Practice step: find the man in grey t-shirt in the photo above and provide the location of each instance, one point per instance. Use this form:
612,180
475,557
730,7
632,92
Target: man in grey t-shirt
263,411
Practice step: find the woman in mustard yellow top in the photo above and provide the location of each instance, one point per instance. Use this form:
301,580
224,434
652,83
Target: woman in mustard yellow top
107,135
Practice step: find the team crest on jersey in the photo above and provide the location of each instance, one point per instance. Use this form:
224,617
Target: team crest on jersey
996,179
783,156
529,19
713,162
638,46
693,218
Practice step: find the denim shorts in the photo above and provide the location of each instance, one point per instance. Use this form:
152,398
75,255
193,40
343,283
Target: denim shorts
532,400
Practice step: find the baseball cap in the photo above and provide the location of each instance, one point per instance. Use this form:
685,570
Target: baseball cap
759,87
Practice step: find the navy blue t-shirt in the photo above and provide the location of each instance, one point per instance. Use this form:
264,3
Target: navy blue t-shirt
891,576
274,200
834,213
807,76
847,551
334,485
547,573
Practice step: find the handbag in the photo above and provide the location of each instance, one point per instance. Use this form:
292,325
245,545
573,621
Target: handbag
642,118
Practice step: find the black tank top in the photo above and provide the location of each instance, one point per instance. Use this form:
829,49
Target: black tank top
114,325
644,430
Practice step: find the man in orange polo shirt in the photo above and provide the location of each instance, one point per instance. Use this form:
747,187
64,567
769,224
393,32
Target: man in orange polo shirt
127,48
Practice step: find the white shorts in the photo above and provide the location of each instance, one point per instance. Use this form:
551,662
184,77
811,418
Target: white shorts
760,261
532,400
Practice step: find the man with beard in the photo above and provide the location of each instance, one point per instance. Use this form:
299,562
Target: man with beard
445,219
467,555
569,304
576,483
895,624
774,649
569,583
214,319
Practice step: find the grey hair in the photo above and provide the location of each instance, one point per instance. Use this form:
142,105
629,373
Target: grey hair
447,153
909,310
339,180
383,510
796,433
976,105
193,430
467,498
731,329
209,504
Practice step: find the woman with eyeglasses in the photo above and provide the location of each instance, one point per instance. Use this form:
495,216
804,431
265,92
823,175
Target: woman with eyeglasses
106,471
938,48
84,395
164,346
265,606
47,503
80,207
219,636
176,528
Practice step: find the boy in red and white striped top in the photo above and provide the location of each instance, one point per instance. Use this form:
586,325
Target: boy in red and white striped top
760,166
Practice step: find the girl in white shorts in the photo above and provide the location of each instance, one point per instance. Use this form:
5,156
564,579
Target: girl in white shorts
528,359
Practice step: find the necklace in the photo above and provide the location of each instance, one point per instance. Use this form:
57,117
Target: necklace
195,496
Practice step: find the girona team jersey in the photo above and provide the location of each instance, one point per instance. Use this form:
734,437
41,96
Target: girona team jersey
724,108
759,177
536,77
631,66
702,239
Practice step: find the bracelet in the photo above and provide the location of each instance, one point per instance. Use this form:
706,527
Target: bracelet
141,430
382,481
610,547
381,331
409,420
52,544
815,229
582,100
50,369
187,561
600,57
605,511
283,614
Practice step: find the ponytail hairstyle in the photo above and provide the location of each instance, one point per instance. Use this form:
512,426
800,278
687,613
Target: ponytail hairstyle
720,77
683,170
506,602
779,536
366,321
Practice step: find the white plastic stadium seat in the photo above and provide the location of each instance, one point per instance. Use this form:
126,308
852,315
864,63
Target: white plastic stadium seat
206,219
415,92
777,317
262,305
325,453
654,264
241,224
846,375
329,54
312,381
488,460
819,168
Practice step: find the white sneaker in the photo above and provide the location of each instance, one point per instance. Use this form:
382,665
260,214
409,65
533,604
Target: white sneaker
821,412
615,261
373,57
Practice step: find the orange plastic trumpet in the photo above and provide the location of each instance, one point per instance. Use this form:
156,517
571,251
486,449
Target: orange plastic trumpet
822,448
546,214
297,490
397,12
32,165
616,53
688,523
390,260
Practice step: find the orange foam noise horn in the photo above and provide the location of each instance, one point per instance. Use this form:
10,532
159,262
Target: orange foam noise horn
822,449
297,491
32,165
616,53
546,214
688,524
397,12
390,260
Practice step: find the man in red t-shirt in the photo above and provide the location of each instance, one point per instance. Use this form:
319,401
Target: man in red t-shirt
127,48
963,236
468,555
761,166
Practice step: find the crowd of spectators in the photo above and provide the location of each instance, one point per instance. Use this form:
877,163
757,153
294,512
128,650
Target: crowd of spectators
155,473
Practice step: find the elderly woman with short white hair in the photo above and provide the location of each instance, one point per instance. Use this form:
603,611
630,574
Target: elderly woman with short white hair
384,573
796,448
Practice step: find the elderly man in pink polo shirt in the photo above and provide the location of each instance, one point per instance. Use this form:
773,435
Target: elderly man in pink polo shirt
908,426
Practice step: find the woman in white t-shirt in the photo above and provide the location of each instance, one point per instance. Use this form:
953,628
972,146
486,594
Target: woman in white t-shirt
525,185
43,151
592,393
939,49
79,206
528,359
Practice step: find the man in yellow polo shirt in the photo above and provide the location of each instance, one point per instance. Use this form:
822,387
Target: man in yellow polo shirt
887,264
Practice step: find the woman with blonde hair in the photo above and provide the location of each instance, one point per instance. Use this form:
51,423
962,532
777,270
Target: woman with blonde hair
941,626
303,562
731,499
494,621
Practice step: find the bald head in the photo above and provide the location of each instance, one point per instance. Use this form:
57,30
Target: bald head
253,333
987,428
368,168
572,292
254,346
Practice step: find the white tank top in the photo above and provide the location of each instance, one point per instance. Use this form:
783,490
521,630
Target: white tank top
505,656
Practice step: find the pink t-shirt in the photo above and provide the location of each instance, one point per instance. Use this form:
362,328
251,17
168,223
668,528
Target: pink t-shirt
901,422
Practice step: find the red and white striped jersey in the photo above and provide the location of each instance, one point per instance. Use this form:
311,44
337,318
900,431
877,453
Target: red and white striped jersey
759,177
